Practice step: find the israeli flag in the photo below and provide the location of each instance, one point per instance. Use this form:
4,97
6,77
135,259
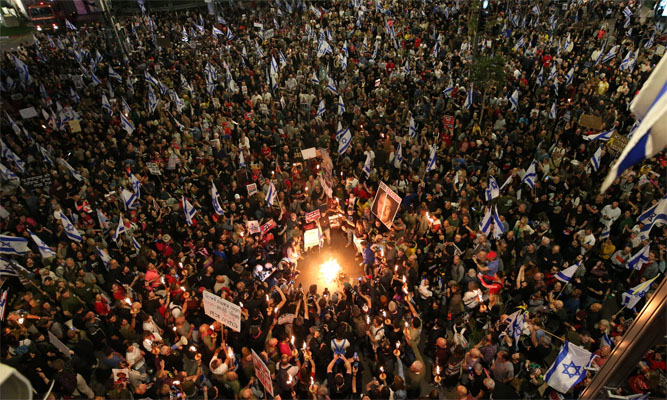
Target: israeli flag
241,159
514,100
492,218
189,211
341,106
606,231
323,48
540,77
11,156
126,124
649,42
128,197
603,136
216,32
44,249
126,107
492,191
271,194
627,12
136,184
150,79
626,63
13,245
553,73
412,129
13,123
314,79
595,160
468,102
102,219
274,66
515,327
344,142
430,166
120,228
71,170
200,28
135,244
45,153
69,25
320,109
104,256
367,166
569,368
283,60
398,158
632,296
214,197
106,106
519,44
606,340
332,86
95,79
639,259
7,268
115,75
152,101
530,176
70,230
343,61
345,49
7,173
449,90
340,131
552,111
567,274
569,77
611,54
656,214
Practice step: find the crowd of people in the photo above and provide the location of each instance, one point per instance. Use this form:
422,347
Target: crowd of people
172,165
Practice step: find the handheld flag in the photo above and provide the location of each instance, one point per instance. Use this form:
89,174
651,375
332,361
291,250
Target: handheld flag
492,191
515,328
569,368
69,25
340,131
412,129
468,102
44,249
126,124
603,136
654,215
398,158
71,170
120,228
430,166
530,176
71,232
514,100
567,274
320,108
632,296
13,245
189,211
595,160
344,141
136,184
639,259
271,194
214,197
128,198
367,166
552,111
106,106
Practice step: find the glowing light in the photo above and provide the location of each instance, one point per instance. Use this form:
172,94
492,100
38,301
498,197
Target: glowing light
368,320
21,321
183,288
398,344
384,314
437,370
176,383
128,301
382,369
289,379
240,304
267,299
330,270
193,348
174,328
292,340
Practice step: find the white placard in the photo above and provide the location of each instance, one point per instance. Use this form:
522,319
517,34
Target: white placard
253,227
309,153
252,189
311,238
59,345
153,168
29,112
268,34
222,310
258,25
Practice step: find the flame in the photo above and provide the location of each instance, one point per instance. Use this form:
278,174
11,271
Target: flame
330,270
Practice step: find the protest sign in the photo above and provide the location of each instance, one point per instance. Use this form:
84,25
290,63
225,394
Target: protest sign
313,216
59,345
311,238
252,189
386,203
222,310
28,112
262,373
253,227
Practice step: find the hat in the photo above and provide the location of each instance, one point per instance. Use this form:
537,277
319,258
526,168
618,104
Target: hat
491,255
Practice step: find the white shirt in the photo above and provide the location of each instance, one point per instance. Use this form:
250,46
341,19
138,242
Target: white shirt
609,214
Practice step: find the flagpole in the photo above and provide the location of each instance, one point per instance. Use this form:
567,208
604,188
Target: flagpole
619,311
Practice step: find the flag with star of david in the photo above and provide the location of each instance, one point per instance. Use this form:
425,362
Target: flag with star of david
569,368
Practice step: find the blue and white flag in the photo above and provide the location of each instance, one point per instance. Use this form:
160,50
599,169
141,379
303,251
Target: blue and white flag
632,296
126,124
332,86
340,131
152,101
215,31
398,158
69,25
283,60
320,108
115,75
23,72
656,214
271,194
540,77
341,106
449,90
569,368
552,73
136,185
430,164
120,228
606,340
649,42
639,259
13,245
44,249
45,154
189,211
514,100
569,77
412,129
552,111
603,136
627,60
150,79
241,159
367,166
75,97
650,137
126,107
530,176
135,244
104,256
519,44
214,197
492,191
3,304
606,231
106,106
71,232
128,198
567,274
468,103
102,219
7,153
491,218
71,170
314,79
7,173
345,49
597,156
274,66
515,327
344,141
611,54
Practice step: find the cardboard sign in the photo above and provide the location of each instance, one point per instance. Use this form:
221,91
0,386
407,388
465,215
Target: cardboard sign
262,373
311,238
153,168
59,345
258,25
222,310
268,34
313,216
386,204
121,375
267,227
448,121
37,182
74,126
334,222
309,153
591,121
252,188
253,227
29,112
617,142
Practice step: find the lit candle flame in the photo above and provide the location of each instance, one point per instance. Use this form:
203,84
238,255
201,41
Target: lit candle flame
396,268
292,340
398,344
384,314
404,280
174,328
240,304
267,299
289,379
21,321
275,310
180,264
406,324
437,370
312,381
193,348
382,369
368,320
304,346
183,288
128,301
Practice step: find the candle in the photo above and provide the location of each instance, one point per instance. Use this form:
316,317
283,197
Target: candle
384,314
193,348
437,370
292,340
240,304
396,268
368,320
398,344
180,264
275,310
304,346
404,279
174,328
183,288
128,301
21,321
406,324
267,299
382,369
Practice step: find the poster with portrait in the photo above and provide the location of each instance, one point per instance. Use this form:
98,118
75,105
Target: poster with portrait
386,204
